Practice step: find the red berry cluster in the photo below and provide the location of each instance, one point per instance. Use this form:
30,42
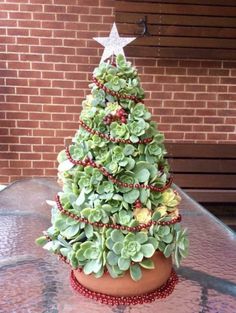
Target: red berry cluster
114,93
120,115
160,293
138,204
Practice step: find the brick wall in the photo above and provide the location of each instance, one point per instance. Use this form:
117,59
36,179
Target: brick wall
47,56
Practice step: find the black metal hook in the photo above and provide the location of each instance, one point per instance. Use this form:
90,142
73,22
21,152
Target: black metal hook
143,23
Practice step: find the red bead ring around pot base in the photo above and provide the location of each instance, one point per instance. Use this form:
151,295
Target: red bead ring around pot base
160,293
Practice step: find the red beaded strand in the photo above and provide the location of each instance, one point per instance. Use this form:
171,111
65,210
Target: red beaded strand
160,293
112,139
89,162
115,226
114,93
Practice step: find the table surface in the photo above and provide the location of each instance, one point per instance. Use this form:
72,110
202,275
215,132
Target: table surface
32,280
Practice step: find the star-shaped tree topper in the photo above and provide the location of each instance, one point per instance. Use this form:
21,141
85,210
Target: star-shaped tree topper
113,44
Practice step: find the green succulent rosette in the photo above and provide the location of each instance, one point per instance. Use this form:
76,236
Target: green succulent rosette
97,200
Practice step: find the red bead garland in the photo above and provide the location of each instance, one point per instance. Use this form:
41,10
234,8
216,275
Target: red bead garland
115,226
107,137
160,293
89,162
114,93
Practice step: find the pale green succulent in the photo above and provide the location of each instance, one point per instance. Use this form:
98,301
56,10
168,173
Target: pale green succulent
125,250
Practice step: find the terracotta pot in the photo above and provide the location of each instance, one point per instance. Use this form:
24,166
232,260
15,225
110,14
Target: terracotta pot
125,286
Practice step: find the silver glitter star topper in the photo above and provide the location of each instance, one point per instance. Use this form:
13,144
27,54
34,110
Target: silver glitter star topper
113,44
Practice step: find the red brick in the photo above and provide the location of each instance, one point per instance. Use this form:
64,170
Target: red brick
43,164
17,115
20,164
50,92
64,50
52,25
31,7
227,112
50,125
50,172
163,111
195,136
21,132
50,156
70,125
224,128
27,91
154,70
183,96
30,140
54,108
68,17
17,82
64,133
31,107
184,128
73,93
44,132
170,119
20,15
73,109
63,83
205,112
30,156
216,88
227,96
213,120
40,49
195,104
230,120
229,64
192,120
43,148
27,124
9,139
161,95
8,73
194,88
203,128
62,117
4,131
174,135
10,171
228,80
29,24
40,116
32,171
53,141
216,104
187,80
53,75
216,136
197,71
20,148
62,100
184,111
44,16
205,96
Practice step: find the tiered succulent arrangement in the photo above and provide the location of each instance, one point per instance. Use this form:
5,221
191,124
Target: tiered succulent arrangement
117,207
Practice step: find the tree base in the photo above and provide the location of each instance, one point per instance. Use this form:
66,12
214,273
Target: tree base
155,284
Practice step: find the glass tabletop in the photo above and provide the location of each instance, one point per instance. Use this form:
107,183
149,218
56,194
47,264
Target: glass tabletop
32,280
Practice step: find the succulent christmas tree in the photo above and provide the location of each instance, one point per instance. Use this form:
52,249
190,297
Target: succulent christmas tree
117,206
